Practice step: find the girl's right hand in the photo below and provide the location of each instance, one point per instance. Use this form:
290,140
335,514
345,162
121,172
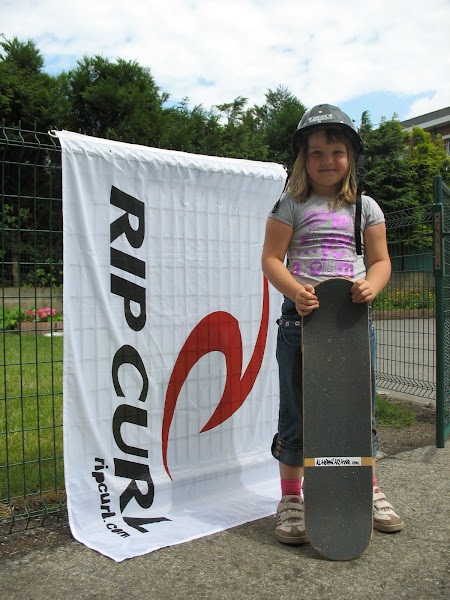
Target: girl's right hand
306,300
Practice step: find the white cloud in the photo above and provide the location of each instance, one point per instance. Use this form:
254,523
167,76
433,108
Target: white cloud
430,103
331,51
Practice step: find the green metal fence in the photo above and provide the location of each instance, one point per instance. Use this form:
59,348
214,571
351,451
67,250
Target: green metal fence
405,311
31,352
441,240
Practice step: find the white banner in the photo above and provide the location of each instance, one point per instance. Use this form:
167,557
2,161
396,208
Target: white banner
170,378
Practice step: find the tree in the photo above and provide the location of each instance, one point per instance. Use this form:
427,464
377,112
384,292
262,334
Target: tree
115,100
27,95
387,173
233,110
29,102
426,158
195,130
278,117
241,136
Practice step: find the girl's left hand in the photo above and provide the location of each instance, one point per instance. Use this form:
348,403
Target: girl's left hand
362,291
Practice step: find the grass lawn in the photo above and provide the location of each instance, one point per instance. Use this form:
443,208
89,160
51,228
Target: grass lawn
31,439
389,414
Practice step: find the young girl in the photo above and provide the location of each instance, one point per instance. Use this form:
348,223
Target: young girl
313,223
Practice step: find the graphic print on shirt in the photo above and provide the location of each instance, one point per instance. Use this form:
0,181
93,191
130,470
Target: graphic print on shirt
327,249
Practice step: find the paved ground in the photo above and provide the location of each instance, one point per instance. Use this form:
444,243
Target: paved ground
248,563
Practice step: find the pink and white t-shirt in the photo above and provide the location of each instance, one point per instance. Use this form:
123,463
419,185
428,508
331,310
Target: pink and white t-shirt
323,241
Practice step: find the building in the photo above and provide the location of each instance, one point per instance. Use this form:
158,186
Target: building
435,122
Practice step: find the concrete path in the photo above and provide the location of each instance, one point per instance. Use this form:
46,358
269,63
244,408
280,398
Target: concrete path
248,563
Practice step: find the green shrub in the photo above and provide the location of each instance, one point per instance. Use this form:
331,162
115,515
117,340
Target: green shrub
9,317
397,299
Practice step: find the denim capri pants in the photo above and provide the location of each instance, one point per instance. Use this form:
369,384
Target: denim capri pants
287,446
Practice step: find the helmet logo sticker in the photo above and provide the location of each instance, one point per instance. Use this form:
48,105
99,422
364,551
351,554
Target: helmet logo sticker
319,118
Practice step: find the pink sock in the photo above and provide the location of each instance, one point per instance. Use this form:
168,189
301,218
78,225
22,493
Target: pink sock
291,487
374,480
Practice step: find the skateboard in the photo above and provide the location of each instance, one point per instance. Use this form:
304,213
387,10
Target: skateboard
337,423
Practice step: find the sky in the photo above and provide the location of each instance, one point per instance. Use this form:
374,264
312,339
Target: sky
388,57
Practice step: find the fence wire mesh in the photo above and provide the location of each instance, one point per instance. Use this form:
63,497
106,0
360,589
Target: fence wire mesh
31,360
31,354
404,312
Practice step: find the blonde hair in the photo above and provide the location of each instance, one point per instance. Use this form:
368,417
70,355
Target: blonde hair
299,185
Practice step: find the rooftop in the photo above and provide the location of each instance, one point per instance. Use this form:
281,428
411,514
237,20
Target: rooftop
430,120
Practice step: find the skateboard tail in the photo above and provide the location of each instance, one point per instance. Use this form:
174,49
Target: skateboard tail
349,491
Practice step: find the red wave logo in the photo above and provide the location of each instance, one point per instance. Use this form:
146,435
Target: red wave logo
220,332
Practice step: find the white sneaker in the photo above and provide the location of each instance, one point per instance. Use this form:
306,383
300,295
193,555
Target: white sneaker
290,527
384,517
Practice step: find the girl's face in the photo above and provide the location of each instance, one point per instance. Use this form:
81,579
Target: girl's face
327,163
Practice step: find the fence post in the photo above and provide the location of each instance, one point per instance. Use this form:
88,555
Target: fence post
439,271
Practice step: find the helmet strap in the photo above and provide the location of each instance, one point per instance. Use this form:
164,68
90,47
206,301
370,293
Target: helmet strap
360,174
277,204
358,224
